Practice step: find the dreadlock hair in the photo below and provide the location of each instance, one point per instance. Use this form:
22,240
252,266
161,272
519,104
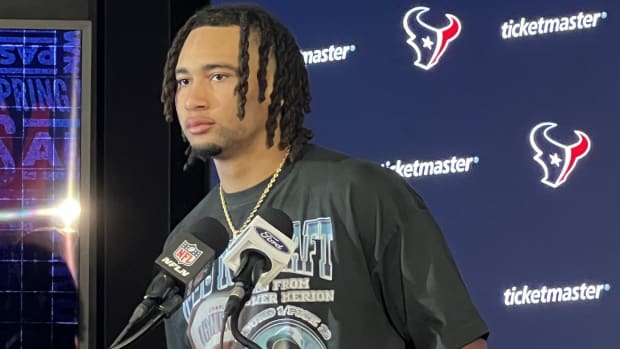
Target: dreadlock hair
290,97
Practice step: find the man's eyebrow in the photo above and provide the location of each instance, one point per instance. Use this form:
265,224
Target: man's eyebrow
207,67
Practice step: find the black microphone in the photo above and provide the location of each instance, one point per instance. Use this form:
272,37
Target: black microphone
182,259
259,254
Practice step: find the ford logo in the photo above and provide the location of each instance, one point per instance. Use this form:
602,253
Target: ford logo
272,240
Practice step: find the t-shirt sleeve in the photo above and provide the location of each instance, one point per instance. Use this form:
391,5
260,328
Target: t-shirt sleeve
414,272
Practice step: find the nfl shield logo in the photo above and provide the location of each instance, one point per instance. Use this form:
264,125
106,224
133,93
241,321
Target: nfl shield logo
187,254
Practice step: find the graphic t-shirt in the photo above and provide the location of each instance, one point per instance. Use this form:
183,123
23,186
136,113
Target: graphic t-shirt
371,269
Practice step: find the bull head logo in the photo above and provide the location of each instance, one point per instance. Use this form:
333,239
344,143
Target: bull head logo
429,43
556,159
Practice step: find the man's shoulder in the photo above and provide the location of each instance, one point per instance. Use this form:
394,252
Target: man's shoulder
313,154
346,171
326,159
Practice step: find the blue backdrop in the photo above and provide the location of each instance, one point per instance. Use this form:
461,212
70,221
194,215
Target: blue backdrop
503,115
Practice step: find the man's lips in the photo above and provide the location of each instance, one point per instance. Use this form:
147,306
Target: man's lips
198,126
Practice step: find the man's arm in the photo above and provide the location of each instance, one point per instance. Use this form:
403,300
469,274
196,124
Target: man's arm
479,344
412,268
422,288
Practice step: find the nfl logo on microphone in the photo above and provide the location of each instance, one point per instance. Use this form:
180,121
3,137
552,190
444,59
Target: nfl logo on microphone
187,254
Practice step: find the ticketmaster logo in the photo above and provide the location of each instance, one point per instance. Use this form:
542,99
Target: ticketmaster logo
525,296
419,168
329,54
516,29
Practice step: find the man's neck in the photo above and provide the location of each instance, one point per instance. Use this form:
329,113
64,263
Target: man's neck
241,172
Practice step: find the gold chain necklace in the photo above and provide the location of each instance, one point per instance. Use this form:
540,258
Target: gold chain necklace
236,232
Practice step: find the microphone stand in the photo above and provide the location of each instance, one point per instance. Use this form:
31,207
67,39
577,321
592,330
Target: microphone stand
157,292
166,309
257,270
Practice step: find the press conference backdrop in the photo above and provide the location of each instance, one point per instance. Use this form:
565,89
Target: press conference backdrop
504,116
41,111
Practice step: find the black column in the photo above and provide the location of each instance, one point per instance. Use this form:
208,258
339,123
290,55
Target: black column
134,151
143,190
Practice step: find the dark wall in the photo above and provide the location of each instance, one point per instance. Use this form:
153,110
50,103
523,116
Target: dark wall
141,183
133,158
44,9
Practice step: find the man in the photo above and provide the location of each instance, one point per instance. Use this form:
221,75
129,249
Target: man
371,270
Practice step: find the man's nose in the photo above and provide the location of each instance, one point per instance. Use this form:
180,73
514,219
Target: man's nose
197,96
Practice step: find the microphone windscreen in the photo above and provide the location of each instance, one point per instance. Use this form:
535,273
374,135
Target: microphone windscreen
278,219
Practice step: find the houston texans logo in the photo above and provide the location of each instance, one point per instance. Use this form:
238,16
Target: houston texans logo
556,159
429,43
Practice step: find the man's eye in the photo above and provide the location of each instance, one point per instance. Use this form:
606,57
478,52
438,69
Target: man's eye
182,82
218,77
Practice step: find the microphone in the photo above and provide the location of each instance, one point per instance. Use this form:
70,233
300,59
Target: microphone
182,259
264,248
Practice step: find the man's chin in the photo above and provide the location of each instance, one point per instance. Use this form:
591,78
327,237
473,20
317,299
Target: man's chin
206,151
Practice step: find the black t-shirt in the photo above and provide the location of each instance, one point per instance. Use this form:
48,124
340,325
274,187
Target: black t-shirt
371,270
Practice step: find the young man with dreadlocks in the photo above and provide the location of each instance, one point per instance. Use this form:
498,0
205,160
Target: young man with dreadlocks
372,269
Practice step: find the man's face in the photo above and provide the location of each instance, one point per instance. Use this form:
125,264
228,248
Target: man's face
206,103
